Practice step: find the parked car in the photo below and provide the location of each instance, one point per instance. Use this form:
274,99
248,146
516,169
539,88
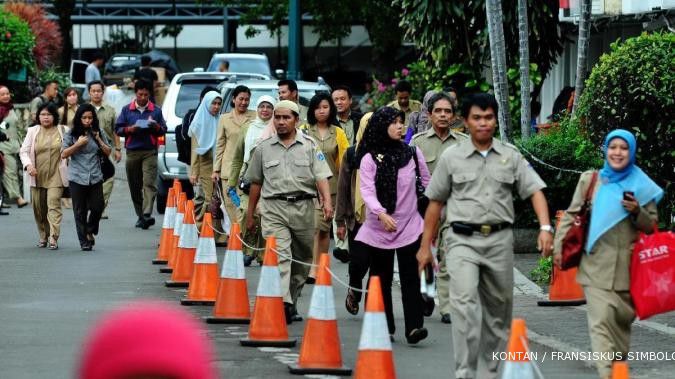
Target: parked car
120,66
242,63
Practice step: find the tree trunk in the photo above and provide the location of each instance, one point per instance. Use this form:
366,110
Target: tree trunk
498,59
582,49
64,10
523,34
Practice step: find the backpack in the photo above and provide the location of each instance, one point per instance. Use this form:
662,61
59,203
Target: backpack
183,140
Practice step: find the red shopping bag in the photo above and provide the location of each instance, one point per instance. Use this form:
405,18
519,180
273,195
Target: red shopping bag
652,274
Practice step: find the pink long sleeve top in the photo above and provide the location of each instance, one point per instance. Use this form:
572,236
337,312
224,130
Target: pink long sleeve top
409,223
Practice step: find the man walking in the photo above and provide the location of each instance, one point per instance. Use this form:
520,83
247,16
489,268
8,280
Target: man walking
476,178
93,72
141,123
49,93
106,120
348,119
433,143
403,91
288,90
285,170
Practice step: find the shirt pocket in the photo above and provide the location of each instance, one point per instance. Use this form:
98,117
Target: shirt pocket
272,169
463,184
301,168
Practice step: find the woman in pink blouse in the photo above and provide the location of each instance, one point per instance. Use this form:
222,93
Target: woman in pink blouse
393,225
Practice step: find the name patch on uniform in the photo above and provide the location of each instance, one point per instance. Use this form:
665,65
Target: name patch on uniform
320,156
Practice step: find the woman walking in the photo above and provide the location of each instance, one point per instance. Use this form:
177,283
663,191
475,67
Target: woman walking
41,157
9,125
332,141
83,145
67,111
623,203
393,224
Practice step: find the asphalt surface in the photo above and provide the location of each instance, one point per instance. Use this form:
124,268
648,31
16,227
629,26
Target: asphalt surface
50,300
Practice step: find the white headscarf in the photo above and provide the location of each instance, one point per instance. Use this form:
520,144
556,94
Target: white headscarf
204,125
256,128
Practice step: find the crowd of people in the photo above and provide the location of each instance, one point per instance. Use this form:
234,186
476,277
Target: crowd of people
424,182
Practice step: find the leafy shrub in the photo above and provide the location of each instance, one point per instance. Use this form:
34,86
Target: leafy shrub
47,34
632,88
542,273
16,44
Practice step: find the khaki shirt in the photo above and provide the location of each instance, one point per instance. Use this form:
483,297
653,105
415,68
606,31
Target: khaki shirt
333,145
71,115
433,146
348,127
34,105
608,265
201,166
106,121
285,170
228,134
413,106
479,189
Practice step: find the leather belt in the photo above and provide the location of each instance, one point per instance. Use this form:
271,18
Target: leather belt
292,198
484,229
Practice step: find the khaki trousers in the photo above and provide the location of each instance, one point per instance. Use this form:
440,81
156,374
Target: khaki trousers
481,298
202,200
293,226
10,177
142,177
47,211
443,277
107,191
254,238
610,315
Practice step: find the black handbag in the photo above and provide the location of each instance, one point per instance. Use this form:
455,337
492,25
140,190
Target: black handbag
422,200
107,167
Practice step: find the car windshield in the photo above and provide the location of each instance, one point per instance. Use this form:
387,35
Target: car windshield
256,66
305,96
188,95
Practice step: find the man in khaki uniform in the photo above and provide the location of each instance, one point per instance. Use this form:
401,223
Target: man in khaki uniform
288,90
106,120
285,170
403,90
477,177
433,143
51,90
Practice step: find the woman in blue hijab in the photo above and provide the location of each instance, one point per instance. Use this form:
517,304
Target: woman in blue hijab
623,204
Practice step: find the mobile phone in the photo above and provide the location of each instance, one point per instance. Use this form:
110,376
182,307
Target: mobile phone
429,273
628,195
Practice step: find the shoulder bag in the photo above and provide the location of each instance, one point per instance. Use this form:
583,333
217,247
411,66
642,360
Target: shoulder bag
107,167
422,200
575,238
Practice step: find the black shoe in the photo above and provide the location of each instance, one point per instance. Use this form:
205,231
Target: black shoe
416,335
85,247
3,213
247,260
429,305
148,221
288,312
310,280
91,239
445,318
342,255
140,222
294,314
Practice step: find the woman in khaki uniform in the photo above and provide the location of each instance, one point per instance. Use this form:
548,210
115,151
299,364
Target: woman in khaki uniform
203,132
623,203
41,157
332,141
9,124
229,129
67,111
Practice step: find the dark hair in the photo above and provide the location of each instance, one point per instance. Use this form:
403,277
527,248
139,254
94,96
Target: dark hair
146,60
98,55
437,97
237,90
343,88
78,129
225,63
480,100
314,104
51,108
403,86
143,84
67,92
47,83
449,89
95,82
206,90
292,85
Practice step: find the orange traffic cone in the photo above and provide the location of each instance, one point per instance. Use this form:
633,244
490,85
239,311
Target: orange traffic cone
177,229
620,370
320,351
204,280
167,230
375,359
187,246
232,306
268,325
517,364
564,289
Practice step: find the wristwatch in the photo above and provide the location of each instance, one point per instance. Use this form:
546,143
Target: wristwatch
546,228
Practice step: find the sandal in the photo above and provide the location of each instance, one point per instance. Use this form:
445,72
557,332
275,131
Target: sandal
41,244
52,245
350,302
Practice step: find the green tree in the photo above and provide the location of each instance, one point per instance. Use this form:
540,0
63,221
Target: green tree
64,9
16,44
493,8
582,50
523,42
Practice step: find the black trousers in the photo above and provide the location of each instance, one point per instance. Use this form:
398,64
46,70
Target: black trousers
382,265
88,206
359,261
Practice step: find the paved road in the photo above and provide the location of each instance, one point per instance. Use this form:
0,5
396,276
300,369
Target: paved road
51,299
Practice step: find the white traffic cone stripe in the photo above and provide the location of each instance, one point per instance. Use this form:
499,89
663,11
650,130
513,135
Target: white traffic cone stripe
517,370
374,333
188,237
322,306
206,251
233,265
270,282
178,224
169,218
